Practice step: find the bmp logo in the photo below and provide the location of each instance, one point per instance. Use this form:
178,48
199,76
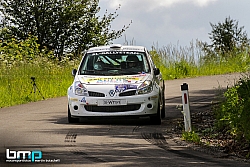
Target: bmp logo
25,155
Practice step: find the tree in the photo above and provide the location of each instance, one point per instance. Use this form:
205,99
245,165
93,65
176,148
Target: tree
60,25
227,37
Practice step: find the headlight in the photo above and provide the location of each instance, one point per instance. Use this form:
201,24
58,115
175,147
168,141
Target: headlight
145,87
80,89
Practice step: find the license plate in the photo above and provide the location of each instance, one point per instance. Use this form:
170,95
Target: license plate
111,102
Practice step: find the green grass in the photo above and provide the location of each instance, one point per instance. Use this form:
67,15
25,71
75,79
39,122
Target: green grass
180,62
52,80
54,77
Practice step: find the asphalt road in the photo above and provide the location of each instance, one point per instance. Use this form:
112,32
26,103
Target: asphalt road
42,126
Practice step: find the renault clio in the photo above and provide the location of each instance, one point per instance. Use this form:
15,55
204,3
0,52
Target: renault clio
114,81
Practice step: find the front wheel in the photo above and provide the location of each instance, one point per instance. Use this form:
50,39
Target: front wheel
163,114
156,119
70,119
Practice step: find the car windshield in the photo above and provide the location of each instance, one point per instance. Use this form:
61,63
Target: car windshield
114,63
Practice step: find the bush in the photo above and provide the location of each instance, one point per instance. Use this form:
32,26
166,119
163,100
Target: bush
14,50
19,61
191,137
234,111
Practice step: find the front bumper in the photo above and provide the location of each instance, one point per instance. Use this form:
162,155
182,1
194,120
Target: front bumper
137,105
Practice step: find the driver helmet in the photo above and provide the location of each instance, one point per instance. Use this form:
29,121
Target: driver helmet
98,66
132,61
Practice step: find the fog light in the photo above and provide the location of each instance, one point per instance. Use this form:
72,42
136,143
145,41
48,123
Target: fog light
75,107
149,105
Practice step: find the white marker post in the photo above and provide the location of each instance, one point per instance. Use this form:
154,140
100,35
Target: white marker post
186,110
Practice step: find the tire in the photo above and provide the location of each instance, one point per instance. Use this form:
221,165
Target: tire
156,119
70,119
163,114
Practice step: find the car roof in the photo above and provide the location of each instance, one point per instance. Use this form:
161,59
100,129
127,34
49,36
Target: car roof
116,47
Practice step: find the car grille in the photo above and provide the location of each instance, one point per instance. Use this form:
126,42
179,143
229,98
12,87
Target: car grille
96,94
128,93
122,108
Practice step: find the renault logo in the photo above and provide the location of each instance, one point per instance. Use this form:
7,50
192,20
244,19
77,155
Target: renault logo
111,93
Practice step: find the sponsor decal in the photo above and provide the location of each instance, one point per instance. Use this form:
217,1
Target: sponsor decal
154,97
120,88
110,80
143,74
73,99
123,87
116,52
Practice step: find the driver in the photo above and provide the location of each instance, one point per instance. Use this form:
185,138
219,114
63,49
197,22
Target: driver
98,66
132,61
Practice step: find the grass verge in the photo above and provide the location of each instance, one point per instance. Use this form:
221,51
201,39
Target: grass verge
51,79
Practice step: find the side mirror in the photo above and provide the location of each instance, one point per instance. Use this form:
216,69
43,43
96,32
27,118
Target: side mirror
74,72
156,71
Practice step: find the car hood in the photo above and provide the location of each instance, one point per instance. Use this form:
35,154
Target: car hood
111,80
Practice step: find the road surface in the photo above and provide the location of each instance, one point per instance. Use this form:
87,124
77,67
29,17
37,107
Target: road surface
42,126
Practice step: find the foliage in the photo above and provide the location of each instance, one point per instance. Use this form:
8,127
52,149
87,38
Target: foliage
226,37
234,111
68,25
13,50
52,79
19,61
191,137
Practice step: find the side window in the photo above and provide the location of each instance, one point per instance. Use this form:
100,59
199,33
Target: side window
151,61
146,63
87,63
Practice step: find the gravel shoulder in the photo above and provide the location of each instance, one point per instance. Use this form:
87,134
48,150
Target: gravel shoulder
219,144
203,98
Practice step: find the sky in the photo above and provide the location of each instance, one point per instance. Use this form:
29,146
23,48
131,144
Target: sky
173,22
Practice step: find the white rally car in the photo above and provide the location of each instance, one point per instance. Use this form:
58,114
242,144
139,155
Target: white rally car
116,81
